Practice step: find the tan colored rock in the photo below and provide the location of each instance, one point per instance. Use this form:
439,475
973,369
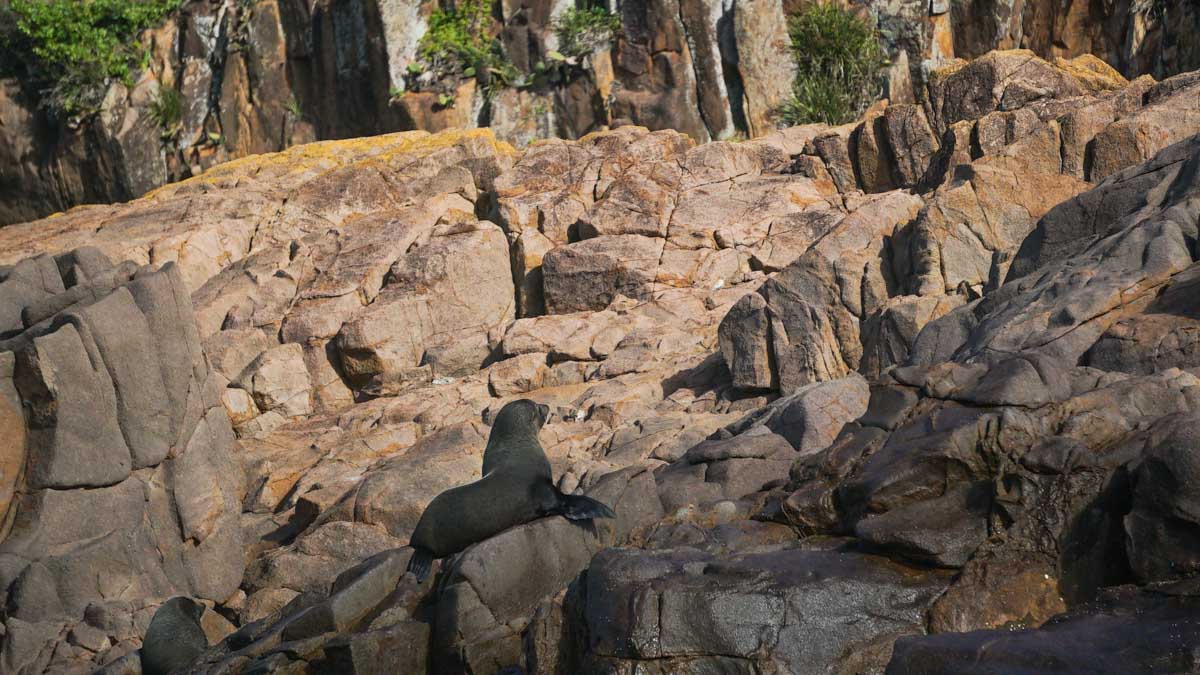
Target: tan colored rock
457,286
911,140
999,80
833,147
257,203
591,274
1170,117
764,62
278,381
1092,73
425,109
518,375
521,116
239,405
871,156
967,225
569,336
394,492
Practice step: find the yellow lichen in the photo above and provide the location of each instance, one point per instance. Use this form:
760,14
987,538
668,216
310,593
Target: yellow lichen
1092,73
323,156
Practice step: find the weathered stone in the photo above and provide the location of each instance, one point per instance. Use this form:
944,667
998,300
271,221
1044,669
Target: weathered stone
278,380
1117,637
591,274
706,608
115,372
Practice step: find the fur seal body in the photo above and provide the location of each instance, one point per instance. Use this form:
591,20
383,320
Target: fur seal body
174,638
517,487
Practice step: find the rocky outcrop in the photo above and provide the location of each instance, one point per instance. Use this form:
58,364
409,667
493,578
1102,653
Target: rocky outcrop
910,394
263,76
120,474
1002,195
791,609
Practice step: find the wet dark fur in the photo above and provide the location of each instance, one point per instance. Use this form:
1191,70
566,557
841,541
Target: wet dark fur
517,487
174,639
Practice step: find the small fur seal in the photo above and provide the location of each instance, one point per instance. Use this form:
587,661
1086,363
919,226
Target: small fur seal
517,487
174,639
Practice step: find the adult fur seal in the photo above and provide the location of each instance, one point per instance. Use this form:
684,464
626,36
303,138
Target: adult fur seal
174,639
517,487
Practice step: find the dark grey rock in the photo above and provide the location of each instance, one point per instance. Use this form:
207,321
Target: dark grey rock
790,610
1161,635
1163,526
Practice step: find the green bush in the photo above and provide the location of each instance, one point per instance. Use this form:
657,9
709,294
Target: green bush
839,65
459,42
166,109
582,31
73,48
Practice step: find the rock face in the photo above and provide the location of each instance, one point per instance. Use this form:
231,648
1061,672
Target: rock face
121,485
784,609
1004,194
914,394
260,78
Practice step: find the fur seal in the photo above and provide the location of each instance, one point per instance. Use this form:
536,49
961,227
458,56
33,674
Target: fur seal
517,487
174,639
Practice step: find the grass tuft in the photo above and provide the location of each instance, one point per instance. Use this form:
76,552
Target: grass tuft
839,65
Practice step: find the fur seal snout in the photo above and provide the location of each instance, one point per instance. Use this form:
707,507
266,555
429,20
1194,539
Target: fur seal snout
517,487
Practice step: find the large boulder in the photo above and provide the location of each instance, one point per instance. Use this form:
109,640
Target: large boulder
793,610
1122,633
121,485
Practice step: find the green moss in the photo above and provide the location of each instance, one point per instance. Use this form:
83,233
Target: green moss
839,65
72,49
582,31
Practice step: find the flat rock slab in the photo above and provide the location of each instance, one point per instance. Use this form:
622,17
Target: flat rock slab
1162,638
787,611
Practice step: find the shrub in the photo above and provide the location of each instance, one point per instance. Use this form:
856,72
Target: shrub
166,109
294,109
459,42
582,31
73,48
839,65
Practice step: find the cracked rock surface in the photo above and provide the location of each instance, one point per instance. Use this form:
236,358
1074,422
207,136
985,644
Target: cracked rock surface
912,394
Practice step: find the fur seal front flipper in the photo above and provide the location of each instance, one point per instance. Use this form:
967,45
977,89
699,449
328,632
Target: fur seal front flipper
517,487
174,639
420,563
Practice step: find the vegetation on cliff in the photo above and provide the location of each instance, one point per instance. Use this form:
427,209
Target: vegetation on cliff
582,31
839,64
71,50
460,41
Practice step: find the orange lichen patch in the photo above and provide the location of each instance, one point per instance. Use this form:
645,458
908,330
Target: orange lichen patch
1092,73
948,68
313,159
943,37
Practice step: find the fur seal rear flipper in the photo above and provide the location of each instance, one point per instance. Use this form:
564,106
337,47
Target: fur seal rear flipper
517,487
579,507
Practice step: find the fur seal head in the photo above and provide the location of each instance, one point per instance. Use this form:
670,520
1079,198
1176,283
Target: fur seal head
174,638
521,415
514,435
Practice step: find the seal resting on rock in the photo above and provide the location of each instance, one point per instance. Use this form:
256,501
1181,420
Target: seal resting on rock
174,639
517,487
